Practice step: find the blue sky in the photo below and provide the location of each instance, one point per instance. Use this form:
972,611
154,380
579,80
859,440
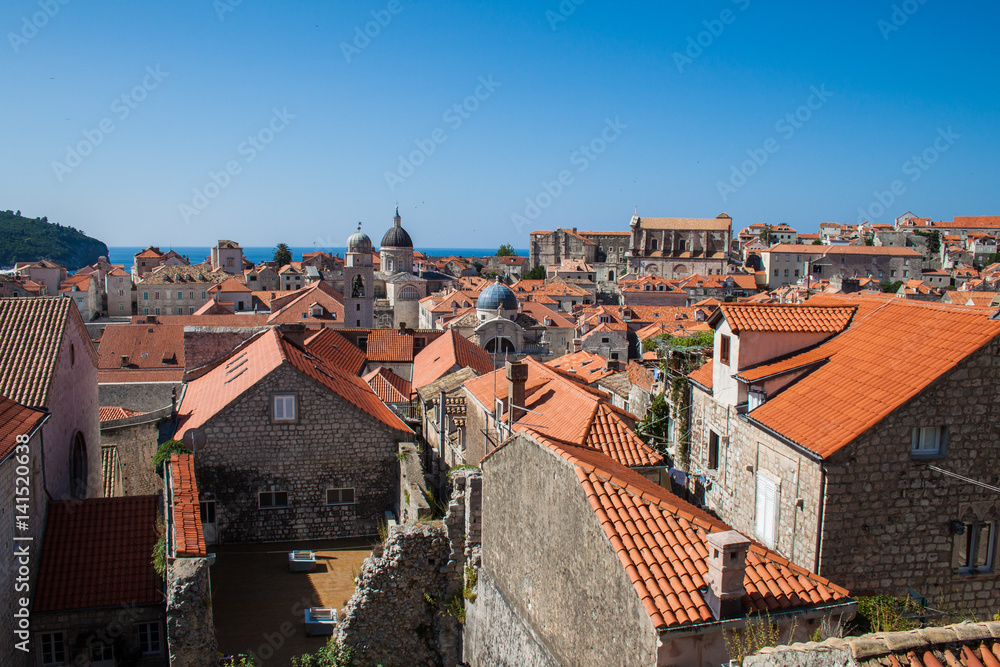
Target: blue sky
320,127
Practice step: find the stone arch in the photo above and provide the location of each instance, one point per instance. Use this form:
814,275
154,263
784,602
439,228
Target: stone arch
358,288
409,293
78,466
500,344
680,271
611,276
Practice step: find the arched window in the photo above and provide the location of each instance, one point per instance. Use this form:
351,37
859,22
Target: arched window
409,293
358,289
611,276
655,241
78,467
500,345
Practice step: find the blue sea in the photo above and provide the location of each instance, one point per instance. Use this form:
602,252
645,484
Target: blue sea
126,254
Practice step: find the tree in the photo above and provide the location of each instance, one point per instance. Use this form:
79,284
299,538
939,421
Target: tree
869,240
934,242
766,234
817,242
506,250
891,286
537,273
282,255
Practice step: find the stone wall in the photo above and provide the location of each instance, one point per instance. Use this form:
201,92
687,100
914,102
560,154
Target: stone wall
412,504
888,515
140,396
394,615
136,443
203,345
553,567
190,627
333,444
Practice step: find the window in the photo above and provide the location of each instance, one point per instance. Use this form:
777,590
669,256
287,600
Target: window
724,349
180,295
786,273
605,340
974,546
713,450
284,407
156,295
145,296
190,310
928,441
148,638
654,244
270,500
203,295
190,295
776,273
102,653
796,273
767,510
207,510
121,306
53,649
343,496
121,292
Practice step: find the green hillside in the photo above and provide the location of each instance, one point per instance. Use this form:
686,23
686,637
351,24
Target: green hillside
30,239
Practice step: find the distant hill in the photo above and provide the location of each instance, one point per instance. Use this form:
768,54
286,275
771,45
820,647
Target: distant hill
30,239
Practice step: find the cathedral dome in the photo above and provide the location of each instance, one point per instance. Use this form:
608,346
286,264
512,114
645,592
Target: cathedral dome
496,296
396,237
359,242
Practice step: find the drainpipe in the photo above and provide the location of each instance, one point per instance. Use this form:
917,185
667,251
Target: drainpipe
822,516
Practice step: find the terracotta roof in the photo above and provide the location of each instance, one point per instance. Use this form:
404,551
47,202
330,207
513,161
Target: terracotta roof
564,408
894,251
80,281
389,345
97,554
149,252
227,320
188,538
640,376
540,312
299,309
210,393
213,307
389,387
662,543
448,353
110,470
107,414
587,366
786,317
970,298
140,375
702,375
229,285
15,420
891,352
145,345
31,334
616,383
334,349
707,224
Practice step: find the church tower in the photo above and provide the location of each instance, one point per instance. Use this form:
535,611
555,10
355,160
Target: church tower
359,282
396,251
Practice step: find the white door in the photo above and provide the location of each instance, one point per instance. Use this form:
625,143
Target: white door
208,525
767,510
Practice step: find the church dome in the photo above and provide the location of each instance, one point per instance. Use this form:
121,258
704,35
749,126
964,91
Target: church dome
396,237
359,242
496,296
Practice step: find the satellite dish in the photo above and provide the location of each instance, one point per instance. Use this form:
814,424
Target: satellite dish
194,438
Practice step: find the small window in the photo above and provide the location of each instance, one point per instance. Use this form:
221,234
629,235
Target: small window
145,296
975,546
776,273
713,450
53,649
284,407
101,653
724,349
343,496
270,500
148,638
605,340
929,440
156,295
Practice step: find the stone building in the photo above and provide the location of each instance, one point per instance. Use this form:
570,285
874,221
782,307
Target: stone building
44,272
599,566
120,293
227,256
607,342
86,294
359,282
176,290
786,264
295,448
678,247
852,435
99,601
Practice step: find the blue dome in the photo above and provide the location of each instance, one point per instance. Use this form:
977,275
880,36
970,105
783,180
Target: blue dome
496,296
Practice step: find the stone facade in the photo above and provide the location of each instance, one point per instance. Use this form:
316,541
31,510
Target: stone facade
203,345
332,445
878,518
135,439
82,629
678,247
551,248
785,264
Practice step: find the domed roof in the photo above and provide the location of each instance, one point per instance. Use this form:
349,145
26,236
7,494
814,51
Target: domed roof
396,237
496,296
359,242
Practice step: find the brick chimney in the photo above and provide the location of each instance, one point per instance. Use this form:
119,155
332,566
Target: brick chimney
727,564
517,378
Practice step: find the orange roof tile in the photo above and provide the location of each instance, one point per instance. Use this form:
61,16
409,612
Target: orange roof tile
702,375
97,554
389,387
188,538
891,352
16,420
145,345
107,414
662,543
210,393
450,352
140,375
334,349
587,366
786,317
389,345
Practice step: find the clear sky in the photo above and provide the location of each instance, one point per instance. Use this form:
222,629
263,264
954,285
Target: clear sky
771,112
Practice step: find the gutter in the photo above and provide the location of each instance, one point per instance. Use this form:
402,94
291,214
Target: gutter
821,520
788,441
847,610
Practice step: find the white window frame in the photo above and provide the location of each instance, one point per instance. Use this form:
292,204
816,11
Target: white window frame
284,408
55,652
766,511
101,653
971,538
339,493
148,638
928,441
273,500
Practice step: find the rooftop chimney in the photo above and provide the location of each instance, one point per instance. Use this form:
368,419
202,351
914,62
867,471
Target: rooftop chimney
577,345
124,361
150,319
517,378
727,564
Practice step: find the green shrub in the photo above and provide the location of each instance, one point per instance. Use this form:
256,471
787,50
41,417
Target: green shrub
164,451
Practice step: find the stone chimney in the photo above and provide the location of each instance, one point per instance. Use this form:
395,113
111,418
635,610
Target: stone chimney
517,378
727,564
577,344
150,319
